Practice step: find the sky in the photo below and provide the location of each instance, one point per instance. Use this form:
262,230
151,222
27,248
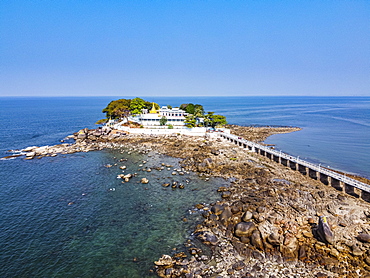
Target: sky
184,48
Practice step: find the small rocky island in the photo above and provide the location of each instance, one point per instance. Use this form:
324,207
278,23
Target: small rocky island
270,221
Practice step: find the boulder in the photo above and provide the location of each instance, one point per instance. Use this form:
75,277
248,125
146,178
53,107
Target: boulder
274,239
324,231
225,216
244,229
217,209
256,240
364,237
247,216
166,260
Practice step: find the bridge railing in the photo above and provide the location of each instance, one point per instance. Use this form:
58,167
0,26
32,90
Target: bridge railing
312,166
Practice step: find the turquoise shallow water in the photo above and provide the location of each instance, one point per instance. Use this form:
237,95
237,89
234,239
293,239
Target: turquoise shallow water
103,230
71,217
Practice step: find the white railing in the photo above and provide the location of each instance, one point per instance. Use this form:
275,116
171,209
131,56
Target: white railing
312,166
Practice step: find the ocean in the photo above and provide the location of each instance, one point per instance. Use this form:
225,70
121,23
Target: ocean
69,216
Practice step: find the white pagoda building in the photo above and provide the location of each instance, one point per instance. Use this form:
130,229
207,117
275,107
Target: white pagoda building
174,116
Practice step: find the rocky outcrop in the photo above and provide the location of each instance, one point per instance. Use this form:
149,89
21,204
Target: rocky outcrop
269,219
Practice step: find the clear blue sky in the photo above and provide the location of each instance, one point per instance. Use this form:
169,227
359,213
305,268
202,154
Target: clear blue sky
184,48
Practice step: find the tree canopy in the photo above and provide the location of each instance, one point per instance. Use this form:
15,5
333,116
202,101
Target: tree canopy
113,106
192,108
122,108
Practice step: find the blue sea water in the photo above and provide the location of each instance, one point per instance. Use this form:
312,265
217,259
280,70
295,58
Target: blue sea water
69,216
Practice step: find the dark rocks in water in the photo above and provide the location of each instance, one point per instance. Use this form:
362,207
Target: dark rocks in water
225,216
217,209
207,238
324,231
244,229
226,194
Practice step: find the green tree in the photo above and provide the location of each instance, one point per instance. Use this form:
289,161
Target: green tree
148,105
218,120
122,113
188,107
208,118
198,110
190,120
163,121
136,105
110,110
102,121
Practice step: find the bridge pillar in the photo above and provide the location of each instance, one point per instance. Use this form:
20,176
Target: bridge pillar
302,169
323,178
312,174
351,190
284,161
337,184
293,165
365,196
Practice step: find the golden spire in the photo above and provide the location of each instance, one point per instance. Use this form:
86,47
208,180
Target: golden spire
153,110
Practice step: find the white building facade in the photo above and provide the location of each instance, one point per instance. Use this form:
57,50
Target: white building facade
174,116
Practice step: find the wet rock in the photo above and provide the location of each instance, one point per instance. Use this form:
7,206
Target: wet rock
207,238
165,260
144,180
217,209
244,229
226,194
225,216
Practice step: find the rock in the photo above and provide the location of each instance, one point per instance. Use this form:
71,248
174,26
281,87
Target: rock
256,240
324,231
226,194
215,152
247,216
225,216
356,251
364,237
217,209
165,260
244,229
30,154
144,180
208,238
274,239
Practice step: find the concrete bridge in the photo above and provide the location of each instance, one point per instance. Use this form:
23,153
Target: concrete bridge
338,181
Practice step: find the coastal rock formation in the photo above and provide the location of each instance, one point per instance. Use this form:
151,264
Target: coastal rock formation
269,219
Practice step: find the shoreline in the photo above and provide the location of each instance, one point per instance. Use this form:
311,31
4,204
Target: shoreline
280,206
